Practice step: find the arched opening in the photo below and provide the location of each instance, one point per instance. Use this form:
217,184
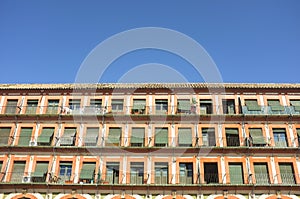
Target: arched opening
73,196
276,197
24,196
174,197
124,197
228,197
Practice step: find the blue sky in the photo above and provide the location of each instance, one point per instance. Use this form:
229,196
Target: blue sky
249,41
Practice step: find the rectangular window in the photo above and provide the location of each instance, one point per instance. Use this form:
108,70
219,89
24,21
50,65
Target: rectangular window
161,106
97,103
87,173
161,137
91,137
46,136
208,137
18,171
275,106
139,106
261,173
52,107
95,107
236,173
74,104
114,136
295,104
112,172
228,106
69,137
211,174
4,135
183,106
31,106
252,105
12,107
186,173
117,105
65,171
206,107
232,137
40,173
257,138
136,173
25,136
185,137
161,173
280,137
137,137
287,173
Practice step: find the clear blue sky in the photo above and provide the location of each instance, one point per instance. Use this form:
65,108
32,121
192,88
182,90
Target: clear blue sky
250,41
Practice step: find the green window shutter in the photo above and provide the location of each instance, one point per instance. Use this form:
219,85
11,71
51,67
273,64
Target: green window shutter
46,136
1,163
232,131
257,136
4,135
295,104
252,105
96,102
161,136
208,101
236,173
184,105
286,173
87,171
67,138
25,136
137,136
184,136
114,135
298,132
261,173
41,169
52,106
31,106
18,171
139,104
275,105
11,106
91,136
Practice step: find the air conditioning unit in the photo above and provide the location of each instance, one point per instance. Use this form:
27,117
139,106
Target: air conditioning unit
26,179
32,143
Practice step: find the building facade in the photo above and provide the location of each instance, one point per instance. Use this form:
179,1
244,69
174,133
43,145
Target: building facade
150,141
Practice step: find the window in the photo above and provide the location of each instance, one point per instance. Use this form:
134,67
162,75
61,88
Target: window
287,173
95,107
261,173
185,137
136,173
257,138
97,103
161,173
4,135
31,106
18,171
232,137
211,173
275,106
298,134
46,137
25,136
280,137
208,137
117,105
161,137
69,137
236,173
91,137
139,106
252,105
40,173
114,136
65,171
52,107
186,173
206,107
74,104
12,107
228,106
295,104
183,106
161,106
87,173
112,172
137,137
